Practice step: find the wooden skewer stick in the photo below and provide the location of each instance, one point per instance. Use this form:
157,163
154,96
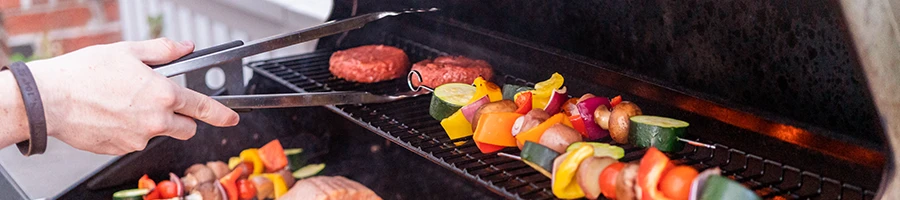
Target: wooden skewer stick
695,143
509,156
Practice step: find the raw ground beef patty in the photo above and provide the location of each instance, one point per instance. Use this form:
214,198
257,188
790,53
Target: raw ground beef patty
452,69
369,64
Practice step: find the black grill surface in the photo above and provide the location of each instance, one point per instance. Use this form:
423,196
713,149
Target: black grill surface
408,124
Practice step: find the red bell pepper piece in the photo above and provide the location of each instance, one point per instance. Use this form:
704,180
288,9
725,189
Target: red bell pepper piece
524,103
488,148
153,195
229,182
650,171
578,124
272,156
246,189
615,101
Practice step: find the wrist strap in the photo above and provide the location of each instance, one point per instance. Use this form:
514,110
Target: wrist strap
34,109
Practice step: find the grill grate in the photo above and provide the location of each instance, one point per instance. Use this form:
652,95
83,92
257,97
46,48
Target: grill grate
407,123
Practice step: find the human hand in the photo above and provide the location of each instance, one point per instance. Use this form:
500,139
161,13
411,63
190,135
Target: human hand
105,99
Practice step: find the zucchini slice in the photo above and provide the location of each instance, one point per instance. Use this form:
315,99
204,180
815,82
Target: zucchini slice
308,170
654,131
448,98
296,158
131,194
539,157
718,187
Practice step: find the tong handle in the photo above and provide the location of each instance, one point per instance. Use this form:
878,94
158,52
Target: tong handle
202,52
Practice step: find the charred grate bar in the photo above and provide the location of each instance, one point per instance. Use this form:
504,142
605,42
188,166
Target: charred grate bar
407,123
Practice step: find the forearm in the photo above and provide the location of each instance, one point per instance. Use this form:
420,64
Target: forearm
13,120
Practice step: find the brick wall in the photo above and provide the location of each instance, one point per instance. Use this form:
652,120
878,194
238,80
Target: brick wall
45,28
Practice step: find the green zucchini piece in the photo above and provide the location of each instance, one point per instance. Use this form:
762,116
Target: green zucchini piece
448,98
718,187
510,90
308,170
600,149
539,157
654,131
131,194
296,158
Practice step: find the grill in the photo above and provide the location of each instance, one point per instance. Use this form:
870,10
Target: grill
408,124
827,154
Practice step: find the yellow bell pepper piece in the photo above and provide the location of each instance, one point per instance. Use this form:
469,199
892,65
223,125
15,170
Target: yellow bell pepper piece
563,184
277,183
234,162
457,126
252,155
540,96
484,87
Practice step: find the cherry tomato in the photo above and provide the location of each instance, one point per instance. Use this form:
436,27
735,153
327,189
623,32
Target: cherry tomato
167,189
608,179
676,183
246,189
146,183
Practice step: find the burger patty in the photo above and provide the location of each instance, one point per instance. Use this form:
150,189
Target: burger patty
452,69
369,64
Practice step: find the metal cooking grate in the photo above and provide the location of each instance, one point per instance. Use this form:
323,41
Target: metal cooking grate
407,123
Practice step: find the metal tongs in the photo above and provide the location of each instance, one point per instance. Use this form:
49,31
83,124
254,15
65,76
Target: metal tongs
237,50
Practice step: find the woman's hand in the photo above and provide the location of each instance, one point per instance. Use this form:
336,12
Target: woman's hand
105,99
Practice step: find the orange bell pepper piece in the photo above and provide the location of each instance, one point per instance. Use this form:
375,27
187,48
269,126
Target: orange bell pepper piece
496,129
534,134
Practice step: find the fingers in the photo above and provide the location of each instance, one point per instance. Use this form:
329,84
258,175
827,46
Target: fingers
181,128
193,104
160,50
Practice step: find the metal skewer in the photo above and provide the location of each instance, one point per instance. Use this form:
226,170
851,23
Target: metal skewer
695,143
514,157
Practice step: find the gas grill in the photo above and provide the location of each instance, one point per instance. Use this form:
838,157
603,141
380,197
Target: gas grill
776,156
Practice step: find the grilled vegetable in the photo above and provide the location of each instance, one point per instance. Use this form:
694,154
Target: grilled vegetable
219,168
234,162
272,156
484,87
502,106
619,125
296,158
277,183
588,174
544,89
534,134
201,172
167,189
190,182
246,171
531,119
586,110
146,183
496,129
264,187
615,101
718,187
287,176
659,132
308,171
448,98
131,194
488,148
600,149
626,182
652,167
510,90
559,97
563,182
601,117
229,182
179,186
559,136
524,103
608,179
457,126
209,190
578,124
470,110
540,156
246,190
676,182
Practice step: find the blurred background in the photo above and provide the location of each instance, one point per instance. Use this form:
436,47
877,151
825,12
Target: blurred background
38,29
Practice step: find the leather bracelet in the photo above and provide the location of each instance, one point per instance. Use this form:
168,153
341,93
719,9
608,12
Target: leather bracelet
34,110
